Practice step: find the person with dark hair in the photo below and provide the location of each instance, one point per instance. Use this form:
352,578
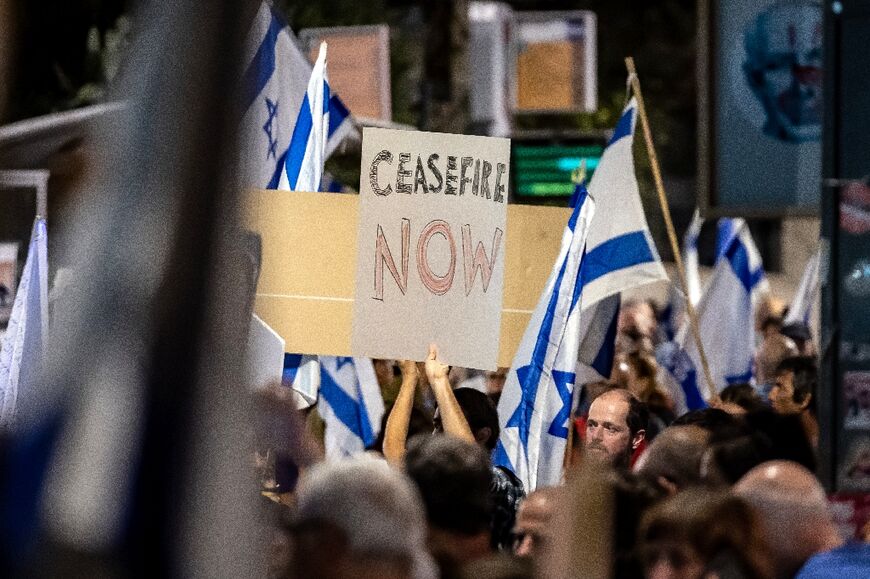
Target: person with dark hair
802,337
700,533
481,414
453,477
726,461
467,414
714,420
741,398
787,435
616,426
794,392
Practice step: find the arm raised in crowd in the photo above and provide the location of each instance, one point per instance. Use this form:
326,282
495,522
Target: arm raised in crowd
397,423
452,418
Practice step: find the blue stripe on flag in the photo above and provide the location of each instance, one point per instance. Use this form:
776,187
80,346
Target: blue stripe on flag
603,362
738,258
337,113
623,127
614,254
291,367
350,412
263,64
756,277
299,143
279,168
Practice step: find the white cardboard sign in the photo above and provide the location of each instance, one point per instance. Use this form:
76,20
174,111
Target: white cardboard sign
431,246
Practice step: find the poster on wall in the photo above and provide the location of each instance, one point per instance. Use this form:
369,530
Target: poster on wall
765,90
430,246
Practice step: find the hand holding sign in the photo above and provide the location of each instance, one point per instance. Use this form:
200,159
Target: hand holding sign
436,370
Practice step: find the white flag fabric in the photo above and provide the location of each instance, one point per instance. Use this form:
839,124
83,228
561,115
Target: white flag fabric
726,322
535,405
275,84
807,294
620,252
24,343
350,404
690,257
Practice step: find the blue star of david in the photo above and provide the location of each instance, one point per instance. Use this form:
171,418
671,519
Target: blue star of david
343,361
522,416
562,380
273,112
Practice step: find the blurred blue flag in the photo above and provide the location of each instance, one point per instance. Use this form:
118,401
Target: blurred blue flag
24,343
350,404
726,322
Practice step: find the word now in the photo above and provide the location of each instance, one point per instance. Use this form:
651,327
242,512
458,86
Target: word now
472,260
479,176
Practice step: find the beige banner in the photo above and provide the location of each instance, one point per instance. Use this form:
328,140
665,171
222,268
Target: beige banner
306,287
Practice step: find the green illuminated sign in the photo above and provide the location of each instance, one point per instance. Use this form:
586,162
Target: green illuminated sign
544,169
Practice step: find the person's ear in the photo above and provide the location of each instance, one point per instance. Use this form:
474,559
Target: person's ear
669,486
803,404
481,435
638,438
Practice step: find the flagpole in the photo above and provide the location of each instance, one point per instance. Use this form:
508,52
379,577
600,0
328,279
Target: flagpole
666,212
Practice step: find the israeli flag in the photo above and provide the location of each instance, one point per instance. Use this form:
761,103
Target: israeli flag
303,167
725,319
620,252
807,294
275,85
535,405
350,404
24,343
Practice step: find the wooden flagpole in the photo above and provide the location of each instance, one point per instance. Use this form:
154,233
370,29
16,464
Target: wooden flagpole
666,212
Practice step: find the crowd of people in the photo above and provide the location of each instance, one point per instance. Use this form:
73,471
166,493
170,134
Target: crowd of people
649,490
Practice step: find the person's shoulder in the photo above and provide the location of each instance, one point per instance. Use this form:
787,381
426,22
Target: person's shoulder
850,560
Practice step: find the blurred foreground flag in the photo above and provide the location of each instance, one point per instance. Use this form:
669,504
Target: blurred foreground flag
275,86
725,318
23,346
620,252
535,405
807,293
350,404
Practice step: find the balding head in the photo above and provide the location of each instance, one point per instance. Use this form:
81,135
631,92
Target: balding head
773,350
673,459
794,511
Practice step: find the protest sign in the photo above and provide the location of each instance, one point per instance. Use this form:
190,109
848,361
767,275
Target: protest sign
430,246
